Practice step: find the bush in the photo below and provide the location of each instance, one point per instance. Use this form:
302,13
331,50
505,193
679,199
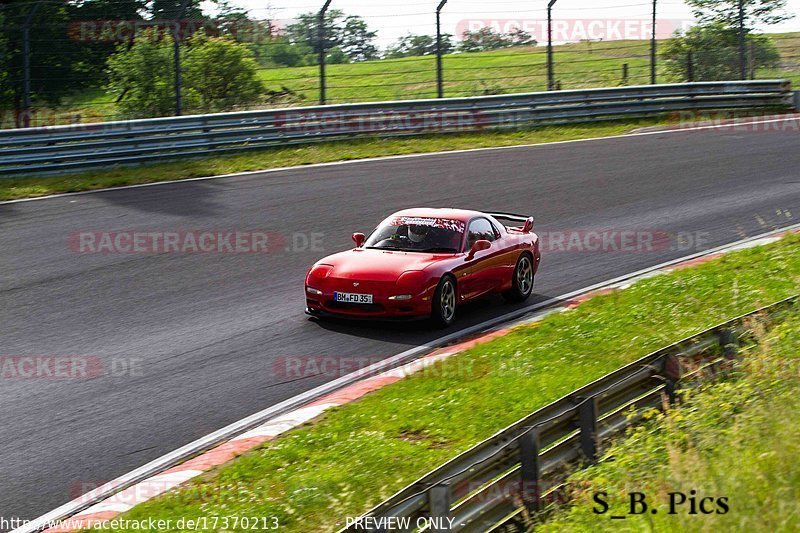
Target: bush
218,75
715,53
222,73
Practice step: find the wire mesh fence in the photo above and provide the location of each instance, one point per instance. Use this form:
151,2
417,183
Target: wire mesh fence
83,61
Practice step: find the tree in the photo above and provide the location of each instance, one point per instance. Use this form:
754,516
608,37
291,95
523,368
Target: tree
222,73
357,40
346,37
6,90
218,74
727,12
141,77
279,51
486,38
419,45
170,9
714,53
520,37
54,72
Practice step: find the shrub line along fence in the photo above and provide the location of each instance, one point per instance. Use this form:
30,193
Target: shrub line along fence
500,480
70,148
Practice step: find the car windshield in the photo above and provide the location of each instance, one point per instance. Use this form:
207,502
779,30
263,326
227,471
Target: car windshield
418,234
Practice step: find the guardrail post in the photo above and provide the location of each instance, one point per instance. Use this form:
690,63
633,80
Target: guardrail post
796,100
624,74
672,375
587,421
530,483
729,343
689,67
439,503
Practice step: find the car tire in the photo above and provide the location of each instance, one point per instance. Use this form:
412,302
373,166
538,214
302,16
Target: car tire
521,280
443,307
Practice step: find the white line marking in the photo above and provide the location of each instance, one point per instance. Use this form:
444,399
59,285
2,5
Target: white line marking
392,157
284,423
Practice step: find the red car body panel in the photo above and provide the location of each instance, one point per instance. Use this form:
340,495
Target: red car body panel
387,273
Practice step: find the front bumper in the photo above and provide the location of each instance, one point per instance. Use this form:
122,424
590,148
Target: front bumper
362,317
419,306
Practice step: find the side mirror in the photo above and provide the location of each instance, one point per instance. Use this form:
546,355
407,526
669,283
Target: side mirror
359,239
477,247
528,227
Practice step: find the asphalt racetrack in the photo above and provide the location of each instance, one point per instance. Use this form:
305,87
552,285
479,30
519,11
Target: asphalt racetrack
181,344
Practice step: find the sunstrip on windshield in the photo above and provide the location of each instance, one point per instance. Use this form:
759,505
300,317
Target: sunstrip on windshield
443,223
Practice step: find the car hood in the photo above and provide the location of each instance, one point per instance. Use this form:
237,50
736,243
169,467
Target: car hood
378,265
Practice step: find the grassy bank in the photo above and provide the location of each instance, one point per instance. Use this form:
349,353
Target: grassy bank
511,70
28,187
356,455
735,439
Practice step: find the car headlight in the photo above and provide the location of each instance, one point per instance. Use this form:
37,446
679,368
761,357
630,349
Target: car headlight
410,282
320,271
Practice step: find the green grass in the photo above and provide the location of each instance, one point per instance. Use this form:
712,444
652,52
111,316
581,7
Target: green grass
736,439
358,454
27,187
498,72
512,70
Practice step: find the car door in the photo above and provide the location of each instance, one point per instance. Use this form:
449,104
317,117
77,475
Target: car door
482,272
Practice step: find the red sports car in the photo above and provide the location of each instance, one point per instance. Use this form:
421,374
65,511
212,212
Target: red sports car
425,263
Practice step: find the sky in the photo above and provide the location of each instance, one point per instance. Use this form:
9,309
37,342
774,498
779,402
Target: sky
573,19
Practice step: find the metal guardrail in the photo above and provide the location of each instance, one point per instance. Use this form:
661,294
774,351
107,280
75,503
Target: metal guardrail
59,149
501,478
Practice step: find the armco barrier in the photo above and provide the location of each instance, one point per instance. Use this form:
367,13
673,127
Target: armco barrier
58,149
501,478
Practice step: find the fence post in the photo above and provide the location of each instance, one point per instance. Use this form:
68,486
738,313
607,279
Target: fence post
176,52
321,45
439,75
653,48
26,66
587,421
439,503
689,67
742,51
550,75
624,74
530,471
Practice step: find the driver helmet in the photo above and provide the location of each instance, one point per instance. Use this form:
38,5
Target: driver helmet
417,233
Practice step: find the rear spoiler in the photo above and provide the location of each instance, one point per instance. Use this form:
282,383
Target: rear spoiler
527,221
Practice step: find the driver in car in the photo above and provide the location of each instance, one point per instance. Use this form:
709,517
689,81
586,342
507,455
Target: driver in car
418,234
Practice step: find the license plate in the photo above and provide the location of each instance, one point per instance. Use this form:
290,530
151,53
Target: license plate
352,298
